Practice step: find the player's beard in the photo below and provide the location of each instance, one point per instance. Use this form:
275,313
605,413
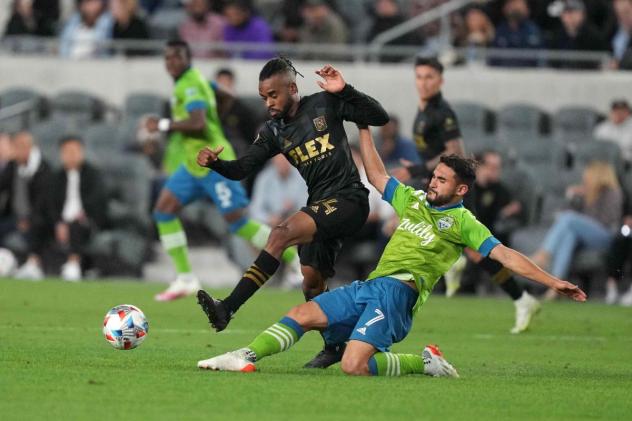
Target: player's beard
439,200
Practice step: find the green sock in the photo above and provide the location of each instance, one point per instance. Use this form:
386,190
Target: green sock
389,364
257,234
174,241
277,338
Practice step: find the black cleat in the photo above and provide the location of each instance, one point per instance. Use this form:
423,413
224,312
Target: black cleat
330,355
217,314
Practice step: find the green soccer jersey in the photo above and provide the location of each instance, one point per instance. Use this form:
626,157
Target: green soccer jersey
192,92
428,239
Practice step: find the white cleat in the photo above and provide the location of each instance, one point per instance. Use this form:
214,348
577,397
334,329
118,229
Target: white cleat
435,365
292,275
71,271
242,360
30,271
526,307
453,276
626,299
184,285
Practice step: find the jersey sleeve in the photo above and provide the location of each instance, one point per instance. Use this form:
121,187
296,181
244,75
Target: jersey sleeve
449,126
262,149
477,236
397,195
359,107
192,97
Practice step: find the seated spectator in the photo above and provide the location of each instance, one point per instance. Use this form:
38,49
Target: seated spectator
592,224
287,22
279,191
127,24
616,259
386,15
393,147
79,205
23,20
576,34
202,26
617,128
242,25
26,183
86,31
478,33
621,35
321,26
516,31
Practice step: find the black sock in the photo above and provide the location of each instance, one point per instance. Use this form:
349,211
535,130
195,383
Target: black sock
254,278
502,276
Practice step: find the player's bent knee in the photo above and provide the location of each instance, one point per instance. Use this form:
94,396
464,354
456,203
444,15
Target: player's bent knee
279,239
354,366
309,316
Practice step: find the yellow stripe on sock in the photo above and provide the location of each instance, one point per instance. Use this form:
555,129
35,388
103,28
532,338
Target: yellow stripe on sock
253,279
255,269
502,276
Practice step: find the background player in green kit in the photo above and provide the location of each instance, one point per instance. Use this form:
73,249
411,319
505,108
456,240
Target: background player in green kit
372,315
194,125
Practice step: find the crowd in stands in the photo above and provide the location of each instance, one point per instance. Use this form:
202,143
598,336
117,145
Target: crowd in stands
568,25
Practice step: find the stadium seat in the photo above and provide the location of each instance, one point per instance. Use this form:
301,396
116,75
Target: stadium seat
139,104
78,108
37,108
598,151
525,188
574,124
163,24
474,119
522,119
47,135
103,139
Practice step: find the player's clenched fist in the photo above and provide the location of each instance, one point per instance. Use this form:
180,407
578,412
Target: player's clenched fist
207,156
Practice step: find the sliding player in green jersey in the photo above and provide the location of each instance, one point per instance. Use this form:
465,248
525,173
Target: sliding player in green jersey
194,125
372,315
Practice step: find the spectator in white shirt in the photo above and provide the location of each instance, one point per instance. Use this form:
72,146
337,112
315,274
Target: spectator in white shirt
618,128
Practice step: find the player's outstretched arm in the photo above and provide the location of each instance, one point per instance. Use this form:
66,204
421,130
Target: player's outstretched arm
238,169
357,106
520,264
192,125
373,165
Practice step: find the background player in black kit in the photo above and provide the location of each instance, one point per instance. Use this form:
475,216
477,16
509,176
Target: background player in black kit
436,132
309,132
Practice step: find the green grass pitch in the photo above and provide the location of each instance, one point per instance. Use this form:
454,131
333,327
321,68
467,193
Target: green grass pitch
575,363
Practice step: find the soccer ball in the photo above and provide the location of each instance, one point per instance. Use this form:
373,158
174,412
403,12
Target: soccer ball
7,262
125,327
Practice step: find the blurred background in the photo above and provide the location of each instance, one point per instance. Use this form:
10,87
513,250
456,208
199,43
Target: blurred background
541,90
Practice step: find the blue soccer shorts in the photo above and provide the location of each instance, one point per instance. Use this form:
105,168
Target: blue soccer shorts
378,312
228,195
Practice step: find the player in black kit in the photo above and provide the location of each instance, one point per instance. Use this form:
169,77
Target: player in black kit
309,132
436,132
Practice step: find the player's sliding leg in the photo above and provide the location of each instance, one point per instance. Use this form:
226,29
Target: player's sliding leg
314,284
526,305
174,241
363,359
297,229
277,338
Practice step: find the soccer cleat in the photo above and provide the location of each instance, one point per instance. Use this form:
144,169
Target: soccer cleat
526,307
612,293
242,360
435,365
626,299
215,310
330,355
453,276
292,275
71,271
30,271
183,286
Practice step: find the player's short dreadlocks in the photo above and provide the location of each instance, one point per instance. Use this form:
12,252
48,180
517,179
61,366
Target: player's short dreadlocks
464,168
278,65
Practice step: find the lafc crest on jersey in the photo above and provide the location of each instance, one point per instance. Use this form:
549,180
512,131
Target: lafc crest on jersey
320,123
445,223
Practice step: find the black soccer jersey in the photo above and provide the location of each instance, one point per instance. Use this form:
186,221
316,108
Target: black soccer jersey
434,126
314,141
